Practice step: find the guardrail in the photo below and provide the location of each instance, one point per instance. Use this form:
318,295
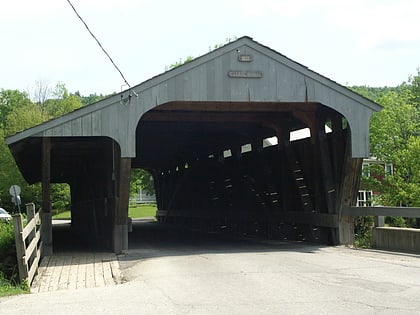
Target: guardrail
406,212
381,212
28,243
390,238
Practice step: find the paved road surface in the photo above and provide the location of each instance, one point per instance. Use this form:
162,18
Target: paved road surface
173,272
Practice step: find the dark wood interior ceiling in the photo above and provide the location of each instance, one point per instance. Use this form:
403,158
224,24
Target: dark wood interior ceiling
183,131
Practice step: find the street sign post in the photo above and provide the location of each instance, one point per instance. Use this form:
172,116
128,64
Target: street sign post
15,191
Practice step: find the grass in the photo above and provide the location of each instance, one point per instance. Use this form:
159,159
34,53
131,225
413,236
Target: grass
6,288
137,211
141,211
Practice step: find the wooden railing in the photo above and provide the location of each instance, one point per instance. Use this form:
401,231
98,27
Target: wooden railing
28,243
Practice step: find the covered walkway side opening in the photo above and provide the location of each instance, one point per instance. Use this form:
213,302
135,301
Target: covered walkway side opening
216,135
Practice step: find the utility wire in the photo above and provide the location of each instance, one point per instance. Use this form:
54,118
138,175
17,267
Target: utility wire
100,45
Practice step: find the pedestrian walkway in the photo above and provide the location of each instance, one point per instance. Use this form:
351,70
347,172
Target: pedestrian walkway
69,271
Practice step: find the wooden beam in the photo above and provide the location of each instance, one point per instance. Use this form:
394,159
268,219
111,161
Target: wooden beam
299,217
213,117
406,212
240,106
46,198
347,193
120,230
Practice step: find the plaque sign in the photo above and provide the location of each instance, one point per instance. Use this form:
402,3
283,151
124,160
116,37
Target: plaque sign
244,58
245,74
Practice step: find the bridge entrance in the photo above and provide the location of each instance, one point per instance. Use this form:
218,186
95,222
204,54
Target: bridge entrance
218,135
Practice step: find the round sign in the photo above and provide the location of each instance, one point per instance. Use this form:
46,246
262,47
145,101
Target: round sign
14,190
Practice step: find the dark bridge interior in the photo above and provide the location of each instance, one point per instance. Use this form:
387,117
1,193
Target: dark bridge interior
233,165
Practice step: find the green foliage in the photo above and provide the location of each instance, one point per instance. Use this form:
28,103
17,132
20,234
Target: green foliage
141,179
8,260
60,196
61,103
24,117
227,41
17,113
395,222
9,101
90,99
188,59
363,232
415,89
394,138
179,63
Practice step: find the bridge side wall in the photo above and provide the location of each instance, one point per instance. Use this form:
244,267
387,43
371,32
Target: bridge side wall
397,239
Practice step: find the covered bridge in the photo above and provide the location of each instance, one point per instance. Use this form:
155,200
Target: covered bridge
215,133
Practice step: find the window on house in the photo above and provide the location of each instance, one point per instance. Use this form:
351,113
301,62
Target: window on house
366,170
364,198
389,169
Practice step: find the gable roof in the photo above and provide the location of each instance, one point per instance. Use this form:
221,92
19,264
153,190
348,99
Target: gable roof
218,76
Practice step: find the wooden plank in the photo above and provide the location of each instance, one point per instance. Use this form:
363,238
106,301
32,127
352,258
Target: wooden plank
46,279
28,228
81,273
34,267
32,246
107,272
115,269
406,212
36,283
63,282
73,272
99,272
57,268
90,271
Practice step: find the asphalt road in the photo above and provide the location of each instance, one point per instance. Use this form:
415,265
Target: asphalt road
170,271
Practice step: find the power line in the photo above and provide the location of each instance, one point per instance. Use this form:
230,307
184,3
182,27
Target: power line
100,45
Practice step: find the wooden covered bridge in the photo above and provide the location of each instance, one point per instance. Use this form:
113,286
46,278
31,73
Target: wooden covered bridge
217,134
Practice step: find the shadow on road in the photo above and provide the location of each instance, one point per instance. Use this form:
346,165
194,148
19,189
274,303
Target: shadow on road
150,239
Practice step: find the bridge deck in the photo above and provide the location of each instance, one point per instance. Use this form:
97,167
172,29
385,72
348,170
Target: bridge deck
77,270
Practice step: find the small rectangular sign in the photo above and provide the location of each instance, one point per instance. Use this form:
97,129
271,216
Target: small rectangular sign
245,74
244,58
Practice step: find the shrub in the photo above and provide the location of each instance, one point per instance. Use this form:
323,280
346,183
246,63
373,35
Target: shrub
8,261
363,232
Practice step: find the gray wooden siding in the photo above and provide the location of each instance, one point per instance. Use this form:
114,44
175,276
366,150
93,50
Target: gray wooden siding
206,79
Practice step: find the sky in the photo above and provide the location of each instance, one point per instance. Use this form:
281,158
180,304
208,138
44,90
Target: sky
358,42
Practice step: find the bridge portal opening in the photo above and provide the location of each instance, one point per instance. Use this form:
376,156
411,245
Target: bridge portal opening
258,168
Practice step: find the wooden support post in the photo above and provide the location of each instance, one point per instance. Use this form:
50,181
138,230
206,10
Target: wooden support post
348,194
120,229
20,247
46,231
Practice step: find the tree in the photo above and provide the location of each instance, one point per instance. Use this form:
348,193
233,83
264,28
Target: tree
11,100
17,113
62,102
141,179
24,117
41,92
394,137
